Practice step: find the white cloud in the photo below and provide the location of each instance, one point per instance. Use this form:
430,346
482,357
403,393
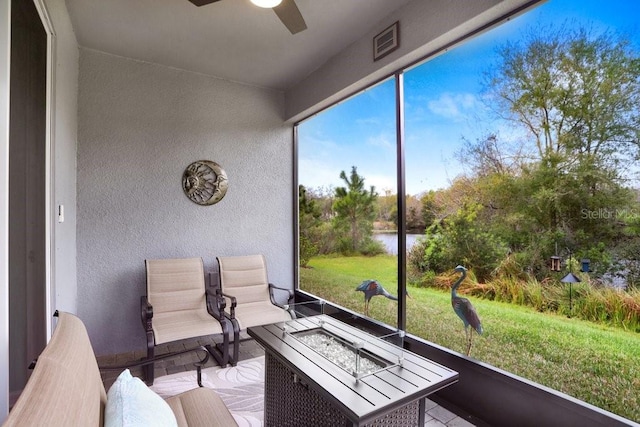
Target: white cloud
368,121
382,141
381,183
316,173
456,106
318,147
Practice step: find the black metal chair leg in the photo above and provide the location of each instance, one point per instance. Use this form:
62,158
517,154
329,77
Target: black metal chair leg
233,359
149,372
221,353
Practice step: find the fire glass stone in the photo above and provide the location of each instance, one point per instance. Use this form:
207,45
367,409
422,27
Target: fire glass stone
339,352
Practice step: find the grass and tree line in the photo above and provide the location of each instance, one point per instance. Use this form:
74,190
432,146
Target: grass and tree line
594,362
564,185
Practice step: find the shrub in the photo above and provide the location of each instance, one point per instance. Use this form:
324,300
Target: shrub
461,239
426,280
416,263
372,247
322,237
307,251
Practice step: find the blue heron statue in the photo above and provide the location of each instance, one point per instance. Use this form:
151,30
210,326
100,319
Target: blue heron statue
464,309
372,288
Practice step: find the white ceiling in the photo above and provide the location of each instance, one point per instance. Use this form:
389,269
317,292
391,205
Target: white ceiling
231,39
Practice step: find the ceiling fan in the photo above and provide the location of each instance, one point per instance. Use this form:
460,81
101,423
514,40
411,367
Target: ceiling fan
286,10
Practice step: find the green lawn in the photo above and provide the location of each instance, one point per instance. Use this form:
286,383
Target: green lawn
594,363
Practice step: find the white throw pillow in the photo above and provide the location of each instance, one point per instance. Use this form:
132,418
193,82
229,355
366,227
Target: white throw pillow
130,403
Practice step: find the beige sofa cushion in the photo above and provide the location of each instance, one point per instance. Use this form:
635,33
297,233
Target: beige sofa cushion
200,407
65,388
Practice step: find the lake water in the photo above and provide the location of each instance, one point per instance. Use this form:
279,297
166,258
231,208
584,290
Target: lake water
390,241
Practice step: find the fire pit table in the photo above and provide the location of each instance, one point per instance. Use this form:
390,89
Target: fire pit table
320,371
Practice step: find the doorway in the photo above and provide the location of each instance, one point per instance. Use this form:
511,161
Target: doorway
27,192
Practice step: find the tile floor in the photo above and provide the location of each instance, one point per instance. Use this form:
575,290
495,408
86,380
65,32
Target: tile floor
436,416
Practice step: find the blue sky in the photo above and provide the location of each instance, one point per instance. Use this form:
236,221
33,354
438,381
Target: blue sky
442,100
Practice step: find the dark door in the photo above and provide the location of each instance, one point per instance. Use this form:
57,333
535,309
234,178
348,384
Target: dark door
27,186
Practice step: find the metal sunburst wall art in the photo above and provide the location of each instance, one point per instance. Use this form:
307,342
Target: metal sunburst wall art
205,182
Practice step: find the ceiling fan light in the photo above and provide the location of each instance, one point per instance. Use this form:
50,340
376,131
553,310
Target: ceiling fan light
266,3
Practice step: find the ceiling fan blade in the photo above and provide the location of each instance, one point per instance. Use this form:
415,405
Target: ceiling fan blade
202,2
290,16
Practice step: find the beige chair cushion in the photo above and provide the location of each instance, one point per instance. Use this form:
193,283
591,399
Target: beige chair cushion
178,325
175,284
200,407
259,313
244,277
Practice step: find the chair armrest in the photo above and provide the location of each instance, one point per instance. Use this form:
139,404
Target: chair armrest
289,293
215,303
146,313
150,360
234,302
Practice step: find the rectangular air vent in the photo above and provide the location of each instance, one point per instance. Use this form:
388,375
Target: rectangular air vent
386,42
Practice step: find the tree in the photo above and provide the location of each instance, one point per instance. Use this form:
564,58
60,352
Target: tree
387,208
309,220
414,219
487,157
354,207
433,207
576,93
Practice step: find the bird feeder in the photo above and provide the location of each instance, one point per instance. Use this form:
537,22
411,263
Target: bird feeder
555,263
585,265
570,279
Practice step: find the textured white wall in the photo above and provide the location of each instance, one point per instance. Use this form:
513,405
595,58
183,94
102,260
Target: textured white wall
140,125
64,150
